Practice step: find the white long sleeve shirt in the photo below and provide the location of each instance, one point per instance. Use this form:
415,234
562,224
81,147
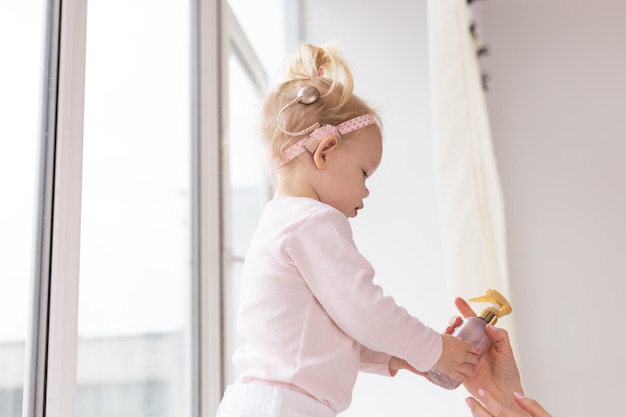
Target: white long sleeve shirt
310,315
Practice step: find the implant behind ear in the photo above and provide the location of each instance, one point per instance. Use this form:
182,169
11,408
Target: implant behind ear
307,95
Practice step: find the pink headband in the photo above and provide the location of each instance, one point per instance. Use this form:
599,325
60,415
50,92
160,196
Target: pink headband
310,142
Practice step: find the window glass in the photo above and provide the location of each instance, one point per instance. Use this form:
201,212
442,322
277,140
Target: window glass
135,267
20,106
248,187
248,179
247,183
269,40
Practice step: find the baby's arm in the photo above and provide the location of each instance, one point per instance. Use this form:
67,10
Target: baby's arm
458,358
395,364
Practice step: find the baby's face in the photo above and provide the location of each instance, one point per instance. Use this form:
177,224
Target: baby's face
348,167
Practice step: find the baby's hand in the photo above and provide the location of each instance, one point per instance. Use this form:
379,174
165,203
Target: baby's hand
458,358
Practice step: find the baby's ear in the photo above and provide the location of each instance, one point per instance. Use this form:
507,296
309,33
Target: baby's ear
326,145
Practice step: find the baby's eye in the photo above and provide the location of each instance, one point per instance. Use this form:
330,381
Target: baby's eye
364,174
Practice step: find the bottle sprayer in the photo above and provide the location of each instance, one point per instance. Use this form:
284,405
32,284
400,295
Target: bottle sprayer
472,330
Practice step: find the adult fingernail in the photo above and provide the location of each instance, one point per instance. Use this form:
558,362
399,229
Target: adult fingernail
481,392
518,395
492,327
468,402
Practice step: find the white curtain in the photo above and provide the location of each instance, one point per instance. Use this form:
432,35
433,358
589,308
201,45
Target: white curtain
470,198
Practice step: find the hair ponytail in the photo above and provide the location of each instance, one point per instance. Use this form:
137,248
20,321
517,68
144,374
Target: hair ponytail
324,61
323,68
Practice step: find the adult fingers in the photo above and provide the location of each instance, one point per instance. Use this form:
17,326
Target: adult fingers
500,339
464,308
477,409
495,407
530,405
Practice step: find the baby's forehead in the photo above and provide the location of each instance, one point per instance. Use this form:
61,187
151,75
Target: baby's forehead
362,138
374,136
370,143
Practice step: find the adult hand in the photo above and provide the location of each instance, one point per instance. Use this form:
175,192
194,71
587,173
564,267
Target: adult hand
491,407
531,406
497,371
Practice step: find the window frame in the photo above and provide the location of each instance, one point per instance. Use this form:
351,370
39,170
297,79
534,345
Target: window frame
50,377
207,214
51,346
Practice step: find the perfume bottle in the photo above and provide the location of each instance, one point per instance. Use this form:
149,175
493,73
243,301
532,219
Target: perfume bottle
472,330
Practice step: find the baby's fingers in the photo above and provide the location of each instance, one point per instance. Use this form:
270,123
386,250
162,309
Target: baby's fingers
454,323
463,372
471,357
530,405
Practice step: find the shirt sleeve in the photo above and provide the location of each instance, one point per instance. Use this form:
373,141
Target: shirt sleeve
374,362
341,279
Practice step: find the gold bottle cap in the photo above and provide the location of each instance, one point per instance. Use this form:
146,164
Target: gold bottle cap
489,315
501,306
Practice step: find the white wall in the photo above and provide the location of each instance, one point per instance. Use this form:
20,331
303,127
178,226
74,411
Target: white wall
557,105
386,45
558,108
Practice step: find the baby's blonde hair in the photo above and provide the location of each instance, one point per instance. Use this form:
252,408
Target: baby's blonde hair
324,68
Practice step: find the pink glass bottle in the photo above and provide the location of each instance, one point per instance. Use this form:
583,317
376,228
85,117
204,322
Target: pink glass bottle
472,330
